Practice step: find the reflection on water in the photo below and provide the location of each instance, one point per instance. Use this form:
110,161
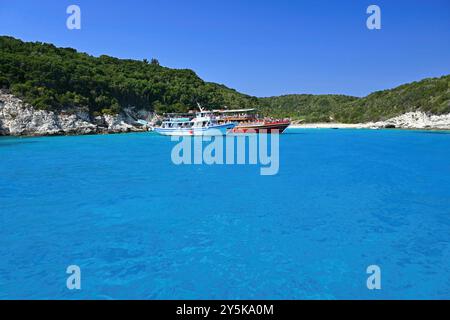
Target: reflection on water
14,141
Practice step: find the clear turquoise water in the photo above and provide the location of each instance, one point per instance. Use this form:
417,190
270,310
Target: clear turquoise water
141,227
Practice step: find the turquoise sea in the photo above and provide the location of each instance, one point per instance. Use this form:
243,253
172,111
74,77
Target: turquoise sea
141,227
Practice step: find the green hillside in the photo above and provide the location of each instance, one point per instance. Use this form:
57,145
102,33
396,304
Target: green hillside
308,107
429,95
54,78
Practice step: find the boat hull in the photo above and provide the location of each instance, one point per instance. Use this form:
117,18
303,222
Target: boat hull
201,131
266,127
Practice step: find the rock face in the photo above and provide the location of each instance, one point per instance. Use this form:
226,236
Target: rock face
414,120
410,120
18,118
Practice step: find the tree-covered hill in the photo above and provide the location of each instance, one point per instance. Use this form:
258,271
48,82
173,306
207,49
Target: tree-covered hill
54,78
429,95
308,107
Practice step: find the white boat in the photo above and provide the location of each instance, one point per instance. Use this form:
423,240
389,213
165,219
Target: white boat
204,124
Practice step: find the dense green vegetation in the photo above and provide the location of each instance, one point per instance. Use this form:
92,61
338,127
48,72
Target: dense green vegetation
429,95
307,107
54,78
61,78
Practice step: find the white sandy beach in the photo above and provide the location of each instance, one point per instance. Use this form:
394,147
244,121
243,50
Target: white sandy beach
327,126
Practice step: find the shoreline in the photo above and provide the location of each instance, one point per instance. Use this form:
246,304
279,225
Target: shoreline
359,126
20,119
309,126
327,126
409,121
71,134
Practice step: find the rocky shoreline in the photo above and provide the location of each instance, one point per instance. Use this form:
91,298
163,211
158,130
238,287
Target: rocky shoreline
18,118
411,120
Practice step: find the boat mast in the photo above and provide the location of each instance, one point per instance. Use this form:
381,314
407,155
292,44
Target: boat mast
200,107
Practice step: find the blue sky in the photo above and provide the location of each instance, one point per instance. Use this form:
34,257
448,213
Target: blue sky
263,48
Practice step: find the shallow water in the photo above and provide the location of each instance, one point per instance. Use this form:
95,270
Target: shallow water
140,227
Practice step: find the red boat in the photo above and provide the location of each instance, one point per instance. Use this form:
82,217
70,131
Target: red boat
277,126
249,122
